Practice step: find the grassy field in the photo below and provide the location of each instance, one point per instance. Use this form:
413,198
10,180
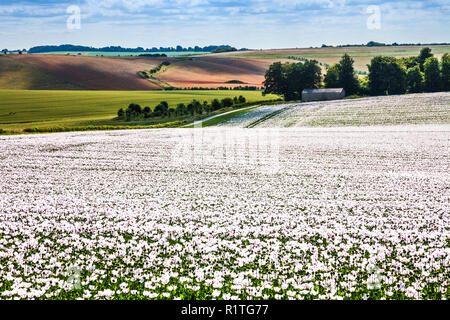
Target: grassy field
20,109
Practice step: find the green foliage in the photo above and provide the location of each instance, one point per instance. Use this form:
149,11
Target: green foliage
364,86
409,62
198,108
386,76
331,79
347,78
161,109
290,79
226,49
181,109
432,75
227,102
342,75
215,104
276,79
425,53
158,68
121,113
414,80
134,112
445,72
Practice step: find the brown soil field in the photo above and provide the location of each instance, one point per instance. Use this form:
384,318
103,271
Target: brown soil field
18,75
95,73
215,72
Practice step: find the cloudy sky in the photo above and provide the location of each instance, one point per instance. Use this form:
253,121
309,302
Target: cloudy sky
241,23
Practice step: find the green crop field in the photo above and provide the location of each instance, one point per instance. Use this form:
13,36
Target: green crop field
20,109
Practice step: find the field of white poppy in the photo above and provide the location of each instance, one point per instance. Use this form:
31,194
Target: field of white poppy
431,108
311,213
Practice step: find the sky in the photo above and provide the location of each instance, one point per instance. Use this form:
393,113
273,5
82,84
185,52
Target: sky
256,24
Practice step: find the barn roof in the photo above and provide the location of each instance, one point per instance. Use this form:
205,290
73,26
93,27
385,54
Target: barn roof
330,90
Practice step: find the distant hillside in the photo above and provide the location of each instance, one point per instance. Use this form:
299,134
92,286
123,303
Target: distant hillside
18,74
36,72
75,72
70,47
71,72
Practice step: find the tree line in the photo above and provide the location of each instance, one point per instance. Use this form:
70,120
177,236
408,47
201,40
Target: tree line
387,75
381,44
135,112
70,47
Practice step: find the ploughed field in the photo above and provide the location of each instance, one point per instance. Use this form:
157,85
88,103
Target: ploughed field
64,72
296,213
423,108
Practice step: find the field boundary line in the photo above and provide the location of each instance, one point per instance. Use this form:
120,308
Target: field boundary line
267,117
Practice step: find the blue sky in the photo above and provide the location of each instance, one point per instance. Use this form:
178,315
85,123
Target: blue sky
252,23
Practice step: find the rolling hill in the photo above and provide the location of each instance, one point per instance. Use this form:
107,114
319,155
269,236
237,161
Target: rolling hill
229,69
94,73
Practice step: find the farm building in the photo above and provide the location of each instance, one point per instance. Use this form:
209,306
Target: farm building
322,94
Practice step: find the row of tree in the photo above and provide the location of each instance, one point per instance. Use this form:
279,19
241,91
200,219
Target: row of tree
424,73
136,112
387,75
70,47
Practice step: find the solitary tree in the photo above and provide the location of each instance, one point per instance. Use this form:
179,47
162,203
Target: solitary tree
432,75
347,78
